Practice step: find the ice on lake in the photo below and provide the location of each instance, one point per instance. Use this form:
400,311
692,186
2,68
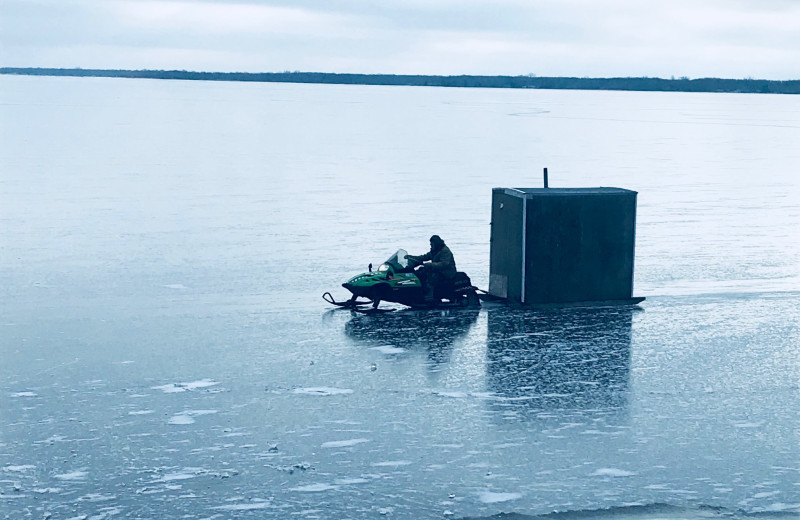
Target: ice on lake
164,350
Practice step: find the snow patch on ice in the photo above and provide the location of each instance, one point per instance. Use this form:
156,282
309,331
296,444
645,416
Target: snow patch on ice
255,504
490,497
52,440
323,391
173,388
195,413
613,472
175,286
140,412
24,394
780,507
349,481
47,490
187,417
96,497
24,467
484,395
185,474
392,463
343,444
181,420
766,494
748,424
72,476
313,488
388,349
445,393
104,513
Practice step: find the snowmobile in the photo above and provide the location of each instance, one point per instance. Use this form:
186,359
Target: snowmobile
396,280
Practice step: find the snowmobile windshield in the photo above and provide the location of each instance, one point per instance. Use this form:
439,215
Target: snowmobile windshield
398,262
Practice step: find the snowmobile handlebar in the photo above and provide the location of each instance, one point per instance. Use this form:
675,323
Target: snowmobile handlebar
413,261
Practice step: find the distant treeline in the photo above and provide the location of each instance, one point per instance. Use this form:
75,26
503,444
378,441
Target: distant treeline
758,86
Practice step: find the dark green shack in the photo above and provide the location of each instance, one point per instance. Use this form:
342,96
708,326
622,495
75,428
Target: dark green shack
557,246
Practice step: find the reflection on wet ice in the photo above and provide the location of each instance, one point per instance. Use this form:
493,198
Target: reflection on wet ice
432,332
534,361
559,359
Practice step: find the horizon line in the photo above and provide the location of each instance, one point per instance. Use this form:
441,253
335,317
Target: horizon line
530,81
6,70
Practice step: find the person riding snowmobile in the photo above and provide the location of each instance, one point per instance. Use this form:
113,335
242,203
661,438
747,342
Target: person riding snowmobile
440,268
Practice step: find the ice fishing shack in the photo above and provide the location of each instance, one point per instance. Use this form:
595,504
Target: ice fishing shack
563,246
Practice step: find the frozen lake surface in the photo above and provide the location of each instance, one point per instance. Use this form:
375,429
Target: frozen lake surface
165,353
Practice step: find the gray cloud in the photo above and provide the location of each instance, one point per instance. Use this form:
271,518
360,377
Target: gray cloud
731,38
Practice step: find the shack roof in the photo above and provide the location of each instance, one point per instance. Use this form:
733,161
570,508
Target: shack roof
556,192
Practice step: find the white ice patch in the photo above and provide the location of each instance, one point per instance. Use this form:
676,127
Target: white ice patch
181,420
177,286
748,424
766,494
187,417
173,388
349,481
195,413
322,391
388,349
185,474
51,440
489,497
46,490
255,504
392,464
484,395
104,513
613,472
780,507
456,395
140,412
313,488
24,467
96,497
343,444
72,476
24,394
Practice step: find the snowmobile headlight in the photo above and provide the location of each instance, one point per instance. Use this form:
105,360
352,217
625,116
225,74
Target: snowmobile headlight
383,268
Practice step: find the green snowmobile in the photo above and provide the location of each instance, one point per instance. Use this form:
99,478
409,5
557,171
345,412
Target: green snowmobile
397,281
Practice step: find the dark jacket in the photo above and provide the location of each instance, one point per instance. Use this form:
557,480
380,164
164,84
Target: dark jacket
442,261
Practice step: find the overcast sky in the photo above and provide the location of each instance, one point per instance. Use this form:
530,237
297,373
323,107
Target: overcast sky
585,38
